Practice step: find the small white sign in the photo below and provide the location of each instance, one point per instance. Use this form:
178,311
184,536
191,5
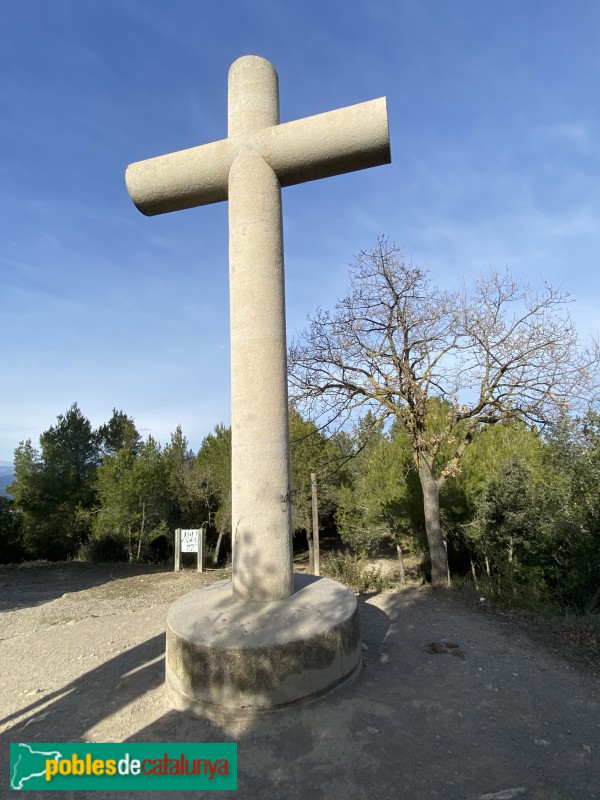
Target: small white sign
189,540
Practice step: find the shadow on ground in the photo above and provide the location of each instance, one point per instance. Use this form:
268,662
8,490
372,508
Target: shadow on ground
69,713
33,584
505,719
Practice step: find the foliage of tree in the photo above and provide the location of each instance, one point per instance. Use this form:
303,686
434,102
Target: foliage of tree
208,485
406,349
177,462
382,501
133,496
573,520
460,498
554,555
118,432
11,547
508,517
522,514
54,487
312,452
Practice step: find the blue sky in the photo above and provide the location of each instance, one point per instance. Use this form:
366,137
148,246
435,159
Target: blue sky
495,132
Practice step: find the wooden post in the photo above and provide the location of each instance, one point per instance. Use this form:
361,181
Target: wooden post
315,524
177,549
201,548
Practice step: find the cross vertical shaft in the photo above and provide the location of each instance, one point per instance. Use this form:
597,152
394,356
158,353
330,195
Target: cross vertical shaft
261,500
248,169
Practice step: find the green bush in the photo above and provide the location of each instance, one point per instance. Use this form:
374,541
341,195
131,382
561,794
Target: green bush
354,572
105,548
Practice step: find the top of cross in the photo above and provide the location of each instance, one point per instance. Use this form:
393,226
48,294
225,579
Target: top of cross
348,139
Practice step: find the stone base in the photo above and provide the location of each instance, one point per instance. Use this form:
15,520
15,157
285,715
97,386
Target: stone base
225,656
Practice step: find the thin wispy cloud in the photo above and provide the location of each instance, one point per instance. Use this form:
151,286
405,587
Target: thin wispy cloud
574,133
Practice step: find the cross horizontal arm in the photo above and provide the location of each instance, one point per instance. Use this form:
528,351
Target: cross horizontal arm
344,140
186,179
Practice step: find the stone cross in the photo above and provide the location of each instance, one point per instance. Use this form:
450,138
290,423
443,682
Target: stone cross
248,169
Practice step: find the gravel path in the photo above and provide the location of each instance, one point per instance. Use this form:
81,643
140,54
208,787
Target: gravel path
452,702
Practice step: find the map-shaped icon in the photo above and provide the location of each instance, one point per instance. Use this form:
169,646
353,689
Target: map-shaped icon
30,764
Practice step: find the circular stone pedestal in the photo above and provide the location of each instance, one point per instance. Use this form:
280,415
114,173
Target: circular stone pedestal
227,656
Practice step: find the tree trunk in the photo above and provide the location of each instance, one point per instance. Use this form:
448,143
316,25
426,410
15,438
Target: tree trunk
401,564
511,567
141,536
473,572
487,566
311,551
215,557
431,507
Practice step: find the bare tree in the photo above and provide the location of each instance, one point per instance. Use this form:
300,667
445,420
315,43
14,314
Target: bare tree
406,349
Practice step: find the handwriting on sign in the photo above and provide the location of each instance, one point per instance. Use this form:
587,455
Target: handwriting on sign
189,540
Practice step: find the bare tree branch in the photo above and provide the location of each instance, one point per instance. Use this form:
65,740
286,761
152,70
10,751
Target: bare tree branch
396,344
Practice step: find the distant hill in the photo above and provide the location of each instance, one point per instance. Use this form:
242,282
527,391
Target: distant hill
7,475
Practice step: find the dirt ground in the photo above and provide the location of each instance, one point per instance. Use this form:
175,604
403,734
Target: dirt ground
453,701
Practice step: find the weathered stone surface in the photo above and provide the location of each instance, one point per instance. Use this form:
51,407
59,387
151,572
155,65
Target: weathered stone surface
344,140
249,168
251,656
261,521
260,471
264,640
